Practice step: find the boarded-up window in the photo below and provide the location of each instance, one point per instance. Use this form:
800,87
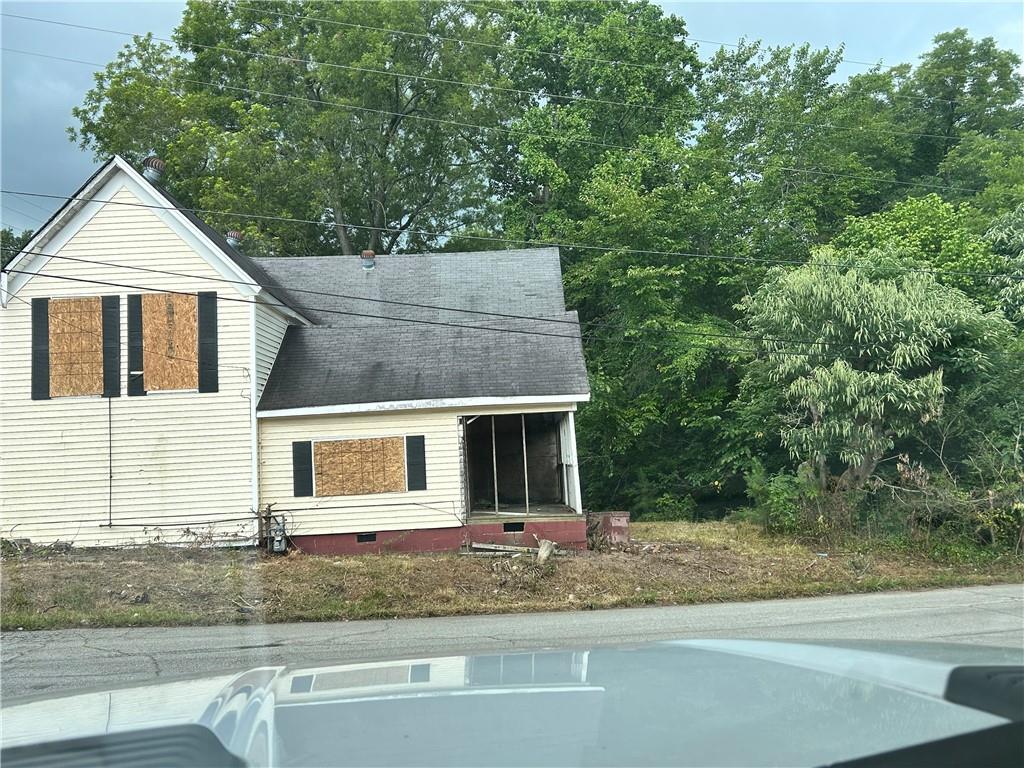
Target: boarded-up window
76,346
170,340
353,467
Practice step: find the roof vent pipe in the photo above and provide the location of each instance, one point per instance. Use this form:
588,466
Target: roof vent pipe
153,168
368,259
234,238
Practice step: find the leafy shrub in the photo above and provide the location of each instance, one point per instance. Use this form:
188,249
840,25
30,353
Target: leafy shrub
1004,524
778,499
949,546
650,502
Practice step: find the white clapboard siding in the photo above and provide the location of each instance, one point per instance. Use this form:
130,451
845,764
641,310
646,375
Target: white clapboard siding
172,465
270,328
442,505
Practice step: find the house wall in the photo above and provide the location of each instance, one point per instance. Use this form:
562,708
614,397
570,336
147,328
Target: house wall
442,505
270,329
152,465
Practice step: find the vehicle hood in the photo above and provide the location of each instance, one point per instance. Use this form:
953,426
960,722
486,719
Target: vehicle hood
693,702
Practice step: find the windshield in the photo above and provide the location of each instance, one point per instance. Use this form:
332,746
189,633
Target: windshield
366,360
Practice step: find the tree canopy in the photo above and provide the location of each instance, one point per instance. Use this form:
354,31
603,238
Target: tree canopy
774,265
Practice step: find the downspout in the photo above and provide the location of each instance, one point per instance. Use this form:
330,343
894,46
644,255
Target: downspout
254,443
110,464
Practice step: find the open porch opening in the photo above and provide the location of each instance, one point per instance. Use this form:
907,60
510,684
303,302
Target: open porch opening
521,464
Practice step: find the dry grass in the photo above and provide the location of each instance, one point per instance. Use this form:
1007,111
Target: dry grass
668,563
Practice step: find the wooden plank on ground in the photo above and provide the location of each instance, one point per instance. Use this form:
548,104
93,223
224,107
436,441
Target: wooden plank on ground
510,548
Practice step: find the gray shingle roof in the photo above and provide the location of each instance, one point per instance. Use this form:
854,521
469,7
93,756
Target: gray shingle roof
522,282
367,350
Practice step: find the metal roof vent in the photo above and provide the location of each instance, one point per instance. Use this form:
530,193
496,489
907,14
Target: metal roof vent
153,168
234,238
368,260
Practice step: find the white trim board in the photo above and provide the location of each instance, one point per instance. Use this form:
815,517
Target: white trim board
114,177
419,405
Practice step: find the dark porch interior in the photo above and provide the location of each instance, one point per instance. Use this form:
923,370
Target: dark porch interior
499,441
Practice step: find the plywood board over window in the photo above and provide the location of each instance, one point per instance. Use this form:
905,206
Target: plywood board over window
170,341
76,346
355,467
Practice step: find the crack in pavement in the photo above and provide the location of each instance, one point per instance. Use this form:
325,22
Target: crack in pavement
126,654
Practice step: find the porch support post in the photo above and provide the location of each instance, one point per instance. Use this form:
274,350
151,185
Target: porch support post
494,464
526,467
575,463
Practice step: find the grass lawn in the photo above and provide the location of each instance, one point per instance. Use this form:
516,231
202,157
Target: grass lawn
665,564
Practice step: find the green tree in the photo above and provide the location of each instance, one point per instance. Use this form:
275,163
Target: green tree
314,112
961,85
928,232
11,243
1007,237
986,171
862,354
609,74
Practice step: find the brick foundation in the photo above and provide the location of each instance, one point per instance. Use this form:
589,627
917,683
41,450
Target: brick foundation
570,533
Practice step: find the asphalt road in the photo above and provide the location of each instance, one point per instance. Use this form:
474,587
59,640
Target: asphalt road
62,661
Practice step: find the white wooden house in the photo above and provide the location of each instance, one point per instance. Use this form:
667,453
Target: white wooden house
158,385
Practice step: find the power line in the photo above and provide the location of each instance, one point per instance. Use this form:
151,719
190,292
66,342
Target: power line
690,38
511,131
479,43
503,315
485,86
510,241
36,205
418,321
553,54
29,216
422,321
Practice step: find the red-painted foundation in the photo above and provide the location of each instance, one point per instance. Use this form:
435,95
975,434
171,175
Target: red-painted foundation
568,533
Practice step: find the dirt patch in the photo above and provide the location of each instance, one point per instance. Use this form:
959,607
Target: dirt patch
668,563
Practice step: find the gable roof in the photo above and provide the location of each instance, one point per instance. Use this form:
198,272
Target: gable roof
394,333
210,243
243,262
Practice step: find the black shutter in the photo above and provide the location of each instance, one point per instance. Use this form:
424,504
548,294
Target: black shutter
208,341
40,349
111,346
136,384
302,468
415,463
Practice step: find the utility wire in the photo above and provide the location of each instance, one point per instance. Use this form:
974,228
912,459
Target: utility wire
42,208
423,321
436,307
479,43
689,38
485,86
552,54
510,241
511,131
31,217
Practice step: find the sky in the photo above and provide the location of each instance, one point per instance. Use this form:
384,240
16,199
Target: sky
38,94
